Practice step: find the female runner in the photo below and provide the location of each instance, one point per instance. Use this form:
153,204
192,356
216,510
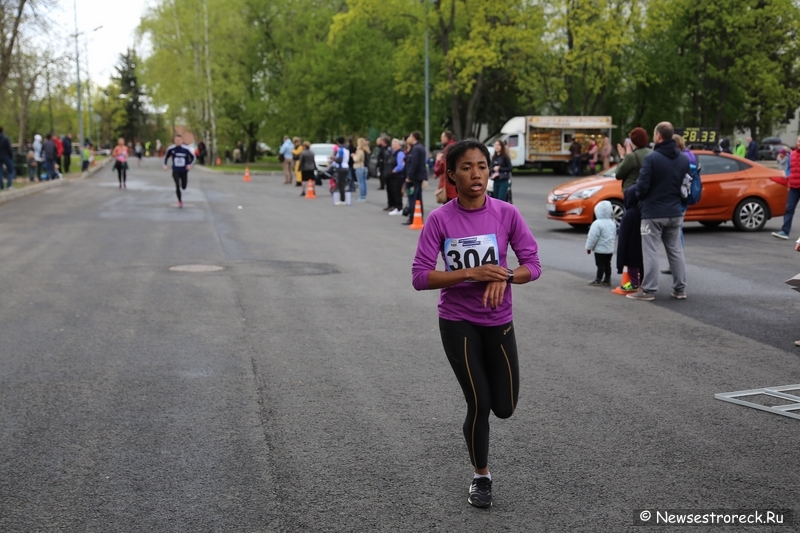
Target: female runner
120,154
475,318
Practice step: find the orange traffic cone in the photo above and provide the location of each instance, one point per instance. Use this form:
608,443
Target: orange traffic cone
246,173
310,191
626,278
417,222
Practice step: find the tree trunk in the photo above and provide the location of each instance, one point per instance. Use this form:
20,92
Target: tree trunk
473,101
444,39
7,45
212,116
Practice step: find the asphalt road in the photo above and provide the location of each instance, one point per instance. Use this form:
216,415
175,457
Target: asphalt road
304,387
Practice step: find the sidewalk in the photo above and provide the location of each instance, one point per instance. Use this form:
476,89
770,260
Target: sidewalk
7,196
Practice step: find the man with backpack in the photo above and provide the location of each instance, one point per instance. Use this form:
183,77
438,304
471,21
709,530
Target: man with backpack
658,189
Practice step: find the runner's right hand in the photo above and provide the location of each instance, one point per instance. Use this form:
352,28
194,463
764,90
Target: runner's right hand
165,167
488,273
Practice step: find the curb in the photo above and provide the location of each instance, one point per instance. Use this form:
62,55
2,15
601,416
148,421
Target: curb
229,173
39,187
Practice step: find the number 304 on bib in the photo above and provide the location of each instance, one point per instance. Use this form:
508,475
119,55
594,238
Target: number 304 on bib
470,252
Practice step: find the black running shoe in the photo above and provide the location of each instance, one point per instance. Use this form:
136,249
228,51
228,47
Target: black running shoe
480,493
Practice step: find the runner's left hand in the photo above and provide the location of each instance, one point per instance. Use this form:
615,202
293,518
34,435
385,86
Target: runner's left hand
188,168
494,294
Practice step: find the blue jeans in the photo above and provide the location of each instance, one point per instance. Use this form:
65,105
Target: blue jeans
361,175
791,204
501,189
50,169
10,171
32,170
576,166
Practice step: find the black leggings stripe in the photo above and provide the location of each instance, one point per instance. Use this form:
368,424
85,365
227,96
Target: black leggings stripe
484,360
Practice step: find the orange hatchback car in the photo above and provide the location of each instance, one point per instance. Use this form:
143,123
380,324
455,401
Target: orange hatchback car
733,189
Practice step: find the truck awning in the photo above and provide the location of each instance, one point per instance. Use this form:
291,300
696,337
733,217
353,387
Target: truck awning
589,123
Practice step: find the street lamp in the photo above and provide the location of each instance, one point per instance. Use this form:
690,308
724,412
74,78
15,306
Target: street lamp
78,68
427,87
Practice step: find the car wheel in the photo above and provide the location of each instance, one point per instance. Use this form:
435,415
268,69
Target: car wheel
711,223
617,211
750,215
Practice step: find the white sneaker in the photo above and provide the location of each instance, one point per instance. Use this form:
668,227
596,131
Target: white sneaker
338,203
394,212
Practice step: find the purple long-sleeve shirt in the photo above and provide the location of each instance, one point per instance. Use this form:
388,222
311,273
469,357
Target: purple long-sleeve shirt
467,238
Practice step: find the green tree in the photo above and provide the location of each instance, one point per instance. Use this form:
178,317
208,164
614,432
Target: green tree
130,90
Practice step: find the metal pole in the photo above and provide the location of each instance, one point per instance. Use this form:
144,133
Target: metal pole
78,64
88,93
427,88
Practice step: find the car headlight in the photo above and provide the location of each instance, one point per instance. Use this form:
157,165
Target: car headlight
585,193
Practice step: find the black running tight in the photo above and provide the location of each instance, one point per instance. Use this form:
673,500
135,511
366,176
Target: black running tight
122,172
484,359
180,182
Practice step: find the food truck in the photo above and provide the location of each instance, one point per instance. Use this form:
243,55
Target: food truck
543,142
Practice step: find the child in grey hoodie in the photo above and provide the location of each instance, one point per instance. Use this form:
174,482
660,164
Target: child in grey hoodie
601,242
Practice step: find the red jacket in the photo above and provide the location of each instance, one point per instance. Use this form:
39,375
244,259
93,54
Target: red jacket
794,169
59,146
440,171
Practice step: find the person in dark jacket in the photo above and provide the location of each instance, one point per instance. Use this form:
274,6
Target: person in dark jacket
386,164
397,176
752,150
342,158
501,171
6,160
575,150
628,170
380,142
50,154
353,180
66,142
202,152
308,166
629,242
659,192
725,146
416,173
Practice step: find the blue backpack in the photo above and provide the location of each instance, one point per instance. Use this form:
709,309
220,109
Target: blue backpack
692,187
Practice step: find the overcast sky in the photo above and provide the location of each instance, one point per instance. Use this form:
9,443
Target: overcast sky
118,19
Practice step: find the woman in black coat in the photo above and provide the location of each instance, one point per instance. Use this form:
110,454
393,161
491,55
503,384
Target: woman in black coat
501,170
629,243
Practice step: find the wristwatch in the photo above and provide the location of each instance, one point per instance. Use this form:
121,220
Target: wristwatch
510,276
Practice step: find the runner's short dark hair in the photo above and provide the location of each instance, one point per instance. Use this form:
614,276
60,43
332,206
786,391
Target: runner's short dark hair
417,135
458,149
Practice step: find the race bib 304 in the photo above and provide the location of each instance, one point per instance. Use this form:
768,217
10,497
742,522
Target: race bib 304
471,252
